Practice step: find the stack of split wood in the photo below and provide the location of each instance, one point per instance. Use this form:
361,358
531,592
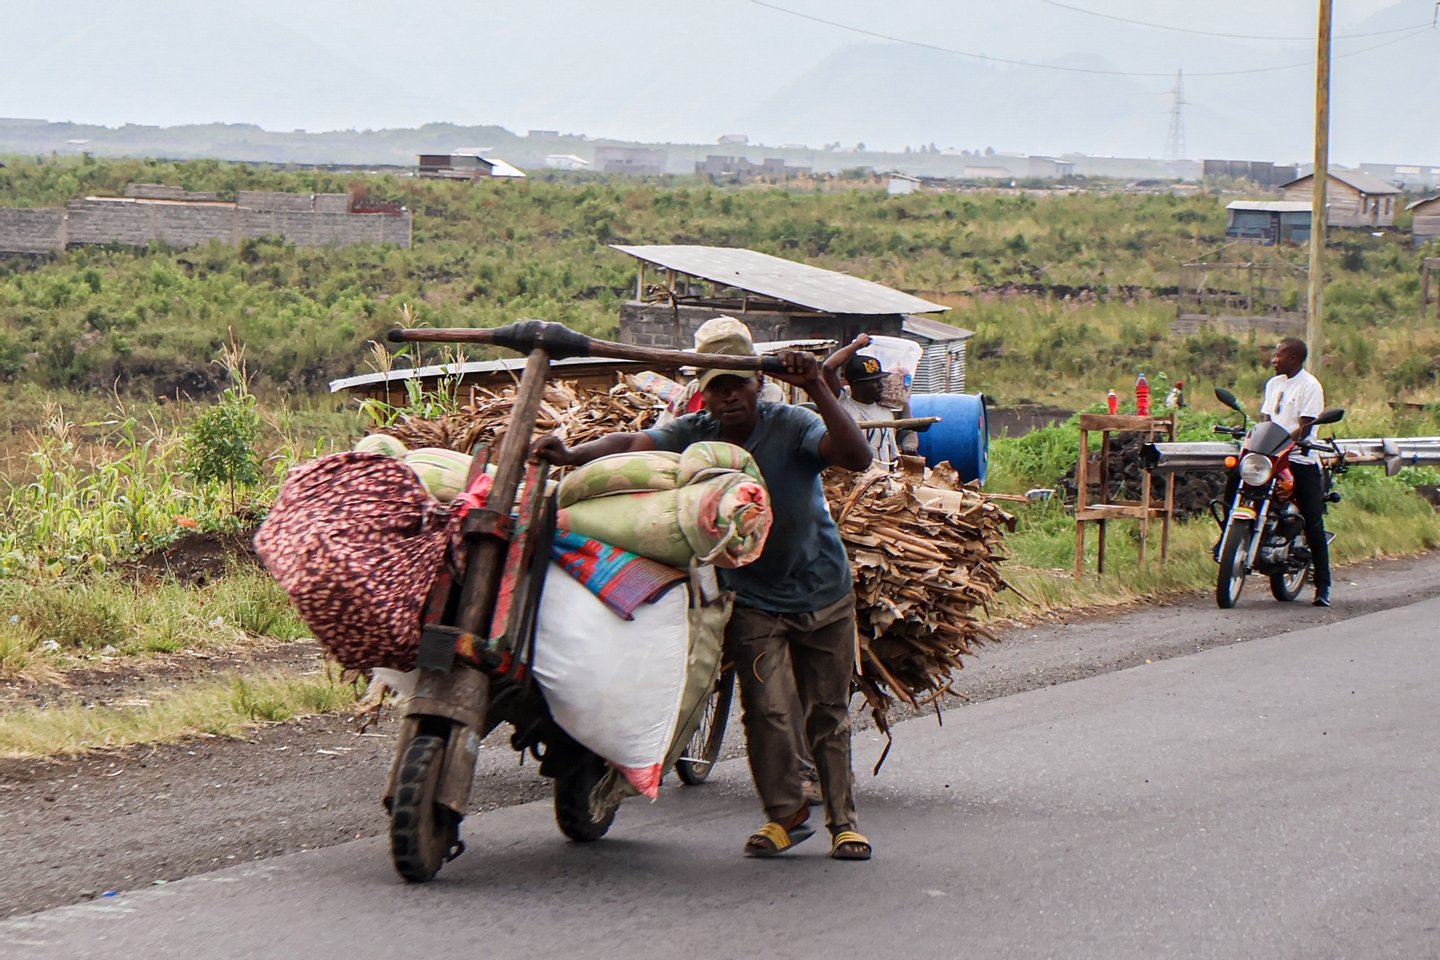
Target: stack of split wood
926,553
578,413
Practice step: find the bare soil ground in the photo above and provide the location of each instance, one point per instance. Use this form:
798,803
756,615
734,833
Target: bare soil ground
73,830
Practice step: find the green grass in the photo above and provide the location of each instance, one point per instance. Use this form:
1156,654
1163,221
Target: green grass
74,618
225,707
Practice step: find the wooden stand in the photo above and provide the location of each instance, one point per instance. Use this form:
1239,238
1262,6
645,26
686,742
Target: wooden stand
1152,429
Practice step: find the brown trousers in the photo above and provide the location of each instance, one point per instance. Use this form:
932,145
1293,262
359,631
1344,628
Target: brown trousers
778,656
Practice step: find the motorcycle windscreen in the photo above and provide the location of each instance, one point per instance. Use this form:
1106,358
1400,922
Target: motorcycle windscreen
1268,438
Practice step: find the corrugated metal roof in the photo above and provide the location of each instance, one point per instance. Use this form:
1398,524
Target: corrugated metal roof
934,329
1271,206
801,284
1360,181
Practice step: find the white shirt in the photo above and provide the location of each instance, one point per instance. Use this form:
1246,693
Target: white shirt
881,439
1288,399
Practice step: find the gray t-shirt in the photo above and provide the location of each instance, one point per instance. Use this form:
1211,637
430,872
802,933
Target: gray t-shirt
803,567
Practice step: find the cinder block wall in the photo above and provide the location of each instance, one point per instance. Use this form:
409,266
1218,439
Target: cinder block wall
301,219
32,231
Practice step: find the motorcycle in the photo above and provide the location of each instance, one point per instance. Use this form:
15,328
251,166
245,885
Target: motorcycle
1263,531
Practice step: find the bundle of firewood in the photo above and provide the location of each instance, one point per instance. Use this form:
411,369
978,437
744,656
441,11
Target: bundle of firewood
578,413
925,549
926,557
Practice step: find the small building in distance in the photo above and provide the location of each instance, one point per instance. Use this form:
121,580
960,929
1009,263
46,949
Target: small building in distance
466,165
1352,199
1262,173
897,184
1425,225
1269,221
636,161
1048,168
679,287
1407,176
566,161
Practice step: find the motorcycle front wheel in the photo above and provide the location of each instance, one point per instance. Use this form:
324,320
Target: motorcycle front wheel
1231,578
1285,585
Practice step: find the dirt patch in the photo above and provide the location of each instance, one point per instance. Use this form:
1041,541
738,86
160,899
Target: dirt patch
197,558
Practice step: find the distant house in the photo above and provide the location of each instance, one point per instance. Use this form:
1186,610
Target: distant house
566,161
1408,176
467,165
976,172
897,184
1261,172
1352,199
1426,223
739,139
1269,221
639,161
1048,168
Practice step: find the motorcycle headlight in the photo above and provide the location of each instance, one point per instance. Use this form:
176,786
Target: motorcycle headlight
1255,469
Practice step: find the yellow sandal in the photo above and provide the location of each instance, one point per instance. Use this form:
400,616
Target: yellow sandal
849,845
774,839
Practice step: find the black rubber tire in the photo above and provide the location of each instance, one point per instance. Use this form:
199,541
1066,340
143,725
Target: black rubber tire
704,747
422,832
1232,558
1287,588
572,802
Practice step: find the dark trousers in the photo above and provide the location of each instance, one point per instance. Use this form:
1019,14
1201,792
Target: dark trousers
785,660
1310,498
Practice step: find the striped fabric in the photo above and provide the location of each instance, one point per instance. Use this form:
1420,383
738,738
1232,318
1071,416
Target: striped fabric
622,580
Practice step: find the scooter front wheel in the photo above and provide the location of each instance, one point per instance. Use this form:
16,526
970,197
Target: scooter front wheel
704,747
1231,578
424,834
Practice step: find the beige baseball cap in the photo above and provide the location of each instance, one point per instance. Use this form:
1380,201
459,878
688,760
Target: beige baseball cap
728,336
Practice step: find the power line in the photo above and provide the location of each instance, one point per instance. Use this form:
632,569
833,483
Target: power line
1228,36
1060,67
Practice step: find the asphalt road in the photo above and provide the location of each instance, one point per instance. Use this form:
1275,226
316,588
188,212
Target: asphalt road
1275,798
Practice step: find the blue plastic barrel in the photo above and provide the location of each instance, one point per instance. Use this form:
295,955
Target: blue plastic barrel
962,436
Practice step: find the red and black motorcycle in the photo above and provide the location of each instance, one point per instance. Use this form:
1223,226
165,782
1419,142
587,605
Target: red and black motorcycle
1263,531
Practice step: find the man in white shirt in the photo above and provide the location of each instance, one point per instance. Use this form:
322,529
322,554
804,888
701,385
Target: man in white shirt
860,397
1293,399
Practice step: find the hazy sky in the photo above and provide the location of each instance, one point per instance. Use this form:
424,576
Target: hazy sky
647,69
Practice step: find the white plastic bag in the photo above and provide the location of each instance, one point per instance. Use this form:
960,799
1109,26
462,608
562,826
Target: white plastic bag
614,685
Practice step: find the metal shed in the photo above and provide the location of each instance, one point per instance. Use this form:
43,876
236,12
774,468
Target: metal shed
1269,221
679,287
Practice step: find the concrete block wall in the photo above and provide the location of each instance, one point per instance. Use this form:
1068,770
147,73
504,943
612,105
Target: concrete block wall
32,231
323,220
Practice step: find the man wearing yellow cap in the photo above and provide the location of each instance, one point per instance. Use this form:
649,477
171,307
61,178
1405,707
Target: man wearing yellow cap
792,632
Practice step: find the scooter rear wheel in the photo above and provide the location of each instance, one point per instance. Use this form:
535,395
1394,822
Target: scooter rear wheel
574,813
1231,578
423,833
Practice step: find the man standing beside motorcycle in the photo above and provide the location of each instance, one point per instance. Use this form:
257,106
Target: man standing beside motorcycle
1293,399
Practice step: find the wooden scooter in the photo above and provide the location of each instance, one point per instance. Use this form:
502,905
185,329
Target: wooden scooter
474,646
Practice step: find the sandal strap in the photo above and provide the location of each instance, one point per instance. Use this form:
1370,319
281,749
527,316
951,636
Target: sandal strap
848,836
778,836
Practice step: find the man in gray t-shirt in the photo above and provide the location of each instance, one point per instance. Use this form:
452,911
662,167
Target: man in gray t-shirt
792,633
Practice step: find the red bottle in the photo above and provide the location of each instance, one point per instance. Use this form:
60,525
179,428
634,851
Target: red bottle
1112,402
1142,396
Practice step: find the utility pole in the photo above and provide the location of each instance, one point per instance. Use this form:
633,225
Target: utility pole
1175,140
1314,330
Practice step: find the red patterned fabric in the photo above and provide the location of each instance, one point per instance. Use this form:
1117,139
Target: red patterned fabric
357,543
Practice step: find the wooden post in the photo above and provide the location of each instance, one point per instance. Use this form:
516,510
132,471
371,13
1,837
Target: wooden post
1082,482
1314,301
1425,267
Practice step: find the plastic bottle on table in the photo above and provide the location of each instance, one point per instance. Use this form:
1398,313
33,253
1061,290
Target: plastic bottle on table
1142,396
1112,402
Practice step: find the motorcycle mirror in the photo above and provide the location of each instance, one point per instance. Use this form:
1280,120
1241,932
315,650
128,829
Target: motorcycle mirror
1330,415
1228,398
